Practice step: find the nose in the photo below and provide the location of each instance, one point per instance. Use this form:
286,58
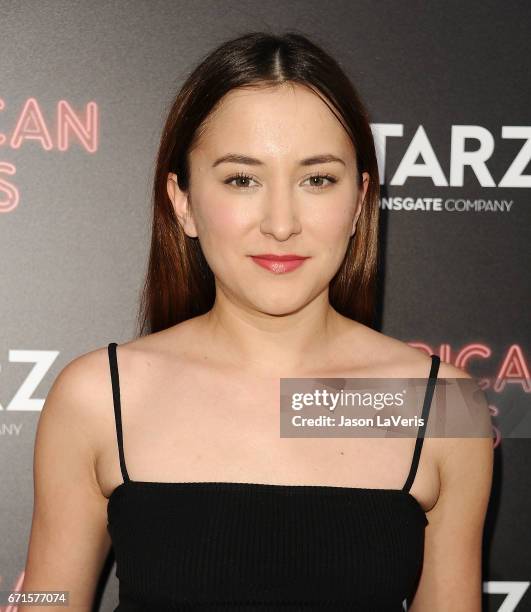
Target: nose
280,218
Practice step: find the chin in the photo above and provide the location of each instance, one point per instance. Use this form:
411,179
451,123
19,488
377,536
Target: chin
284,305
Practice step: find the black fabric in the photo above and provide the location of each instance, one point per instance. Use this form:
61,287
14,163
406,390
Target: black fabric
215,546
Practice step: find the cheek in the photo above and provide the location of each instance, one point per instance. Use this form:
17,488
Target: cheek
221,225
331,227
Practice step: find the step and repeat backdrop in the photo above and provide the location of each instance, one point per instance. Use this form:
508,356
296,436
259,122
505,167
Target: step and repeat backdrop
84,88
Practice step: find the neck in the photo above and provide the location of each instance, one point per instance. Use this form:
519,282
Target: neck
264,343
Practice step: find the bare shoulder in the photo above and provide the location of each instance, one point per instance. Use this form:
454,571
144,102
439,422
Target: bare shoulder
464,396
79,400
474,446
77,390
374,353
384,355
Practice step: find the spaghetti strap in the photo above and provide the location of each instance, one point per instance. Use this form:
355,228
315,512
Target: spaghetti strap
435,362
115,380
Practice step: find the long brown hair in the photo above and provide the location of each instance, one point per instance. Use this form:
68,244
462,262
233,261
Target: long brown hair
179,283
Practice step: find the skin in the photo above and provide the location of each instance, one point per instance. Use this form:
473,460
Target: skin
262,327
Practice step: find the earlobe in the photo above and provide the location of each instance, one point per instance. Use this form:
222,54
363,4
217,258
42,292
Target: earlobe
180,203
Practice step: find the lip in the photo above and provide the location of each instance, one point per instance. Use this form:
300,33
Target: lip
273,257
279,264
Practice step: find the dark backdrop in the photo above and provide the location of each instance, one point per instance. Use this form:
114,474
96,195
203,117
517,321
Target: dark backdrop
446,79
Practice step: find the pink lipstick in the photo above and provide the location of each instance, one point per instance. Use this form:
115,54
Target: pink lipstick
279,264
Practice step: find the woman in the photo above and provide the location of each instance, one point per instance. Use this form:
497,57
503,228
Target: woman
173,437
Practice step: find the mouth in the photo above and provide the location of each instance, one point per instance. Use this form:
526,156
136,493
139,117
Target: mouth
279,264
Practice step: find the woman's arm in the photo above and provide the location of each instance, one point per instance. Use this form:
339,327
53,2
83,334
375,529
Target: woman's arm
451,577
69,540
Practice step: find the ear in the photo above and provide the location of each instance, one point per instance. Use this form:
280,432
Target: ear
361,200
180,202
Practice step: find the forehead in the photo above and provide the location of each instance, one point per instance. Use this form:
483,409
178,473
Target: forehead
288,120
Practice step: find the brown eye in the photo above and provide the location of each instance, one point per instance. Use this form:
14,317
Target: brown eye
242,178
316,180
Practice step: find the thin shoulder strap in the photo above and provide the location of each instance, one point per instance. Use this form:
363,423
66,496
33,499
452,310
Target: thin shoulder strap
113,364
435,362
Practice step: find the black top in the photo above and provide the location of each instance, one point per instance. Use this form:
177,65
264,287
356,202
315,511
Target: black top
215,546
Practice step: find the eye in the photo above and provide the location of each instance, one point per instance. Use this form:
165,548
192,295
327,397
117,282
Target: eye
319,178
242,177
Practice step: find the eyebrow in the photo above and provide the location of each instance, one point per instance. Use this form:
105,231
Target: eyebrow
237,158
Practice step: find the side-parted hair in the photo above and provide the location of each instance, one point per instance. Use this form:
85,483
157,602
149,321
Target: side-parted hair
179,283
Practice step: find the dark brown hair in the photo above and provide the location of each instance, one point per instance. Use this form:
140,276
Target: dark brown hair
179,283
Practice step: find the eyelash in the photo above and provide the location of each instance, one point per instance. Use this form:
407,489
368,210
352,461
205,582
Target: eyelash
242,175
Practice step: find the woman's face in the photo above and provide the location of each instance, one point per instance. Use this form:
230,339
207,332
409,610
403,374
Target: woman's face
275,199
